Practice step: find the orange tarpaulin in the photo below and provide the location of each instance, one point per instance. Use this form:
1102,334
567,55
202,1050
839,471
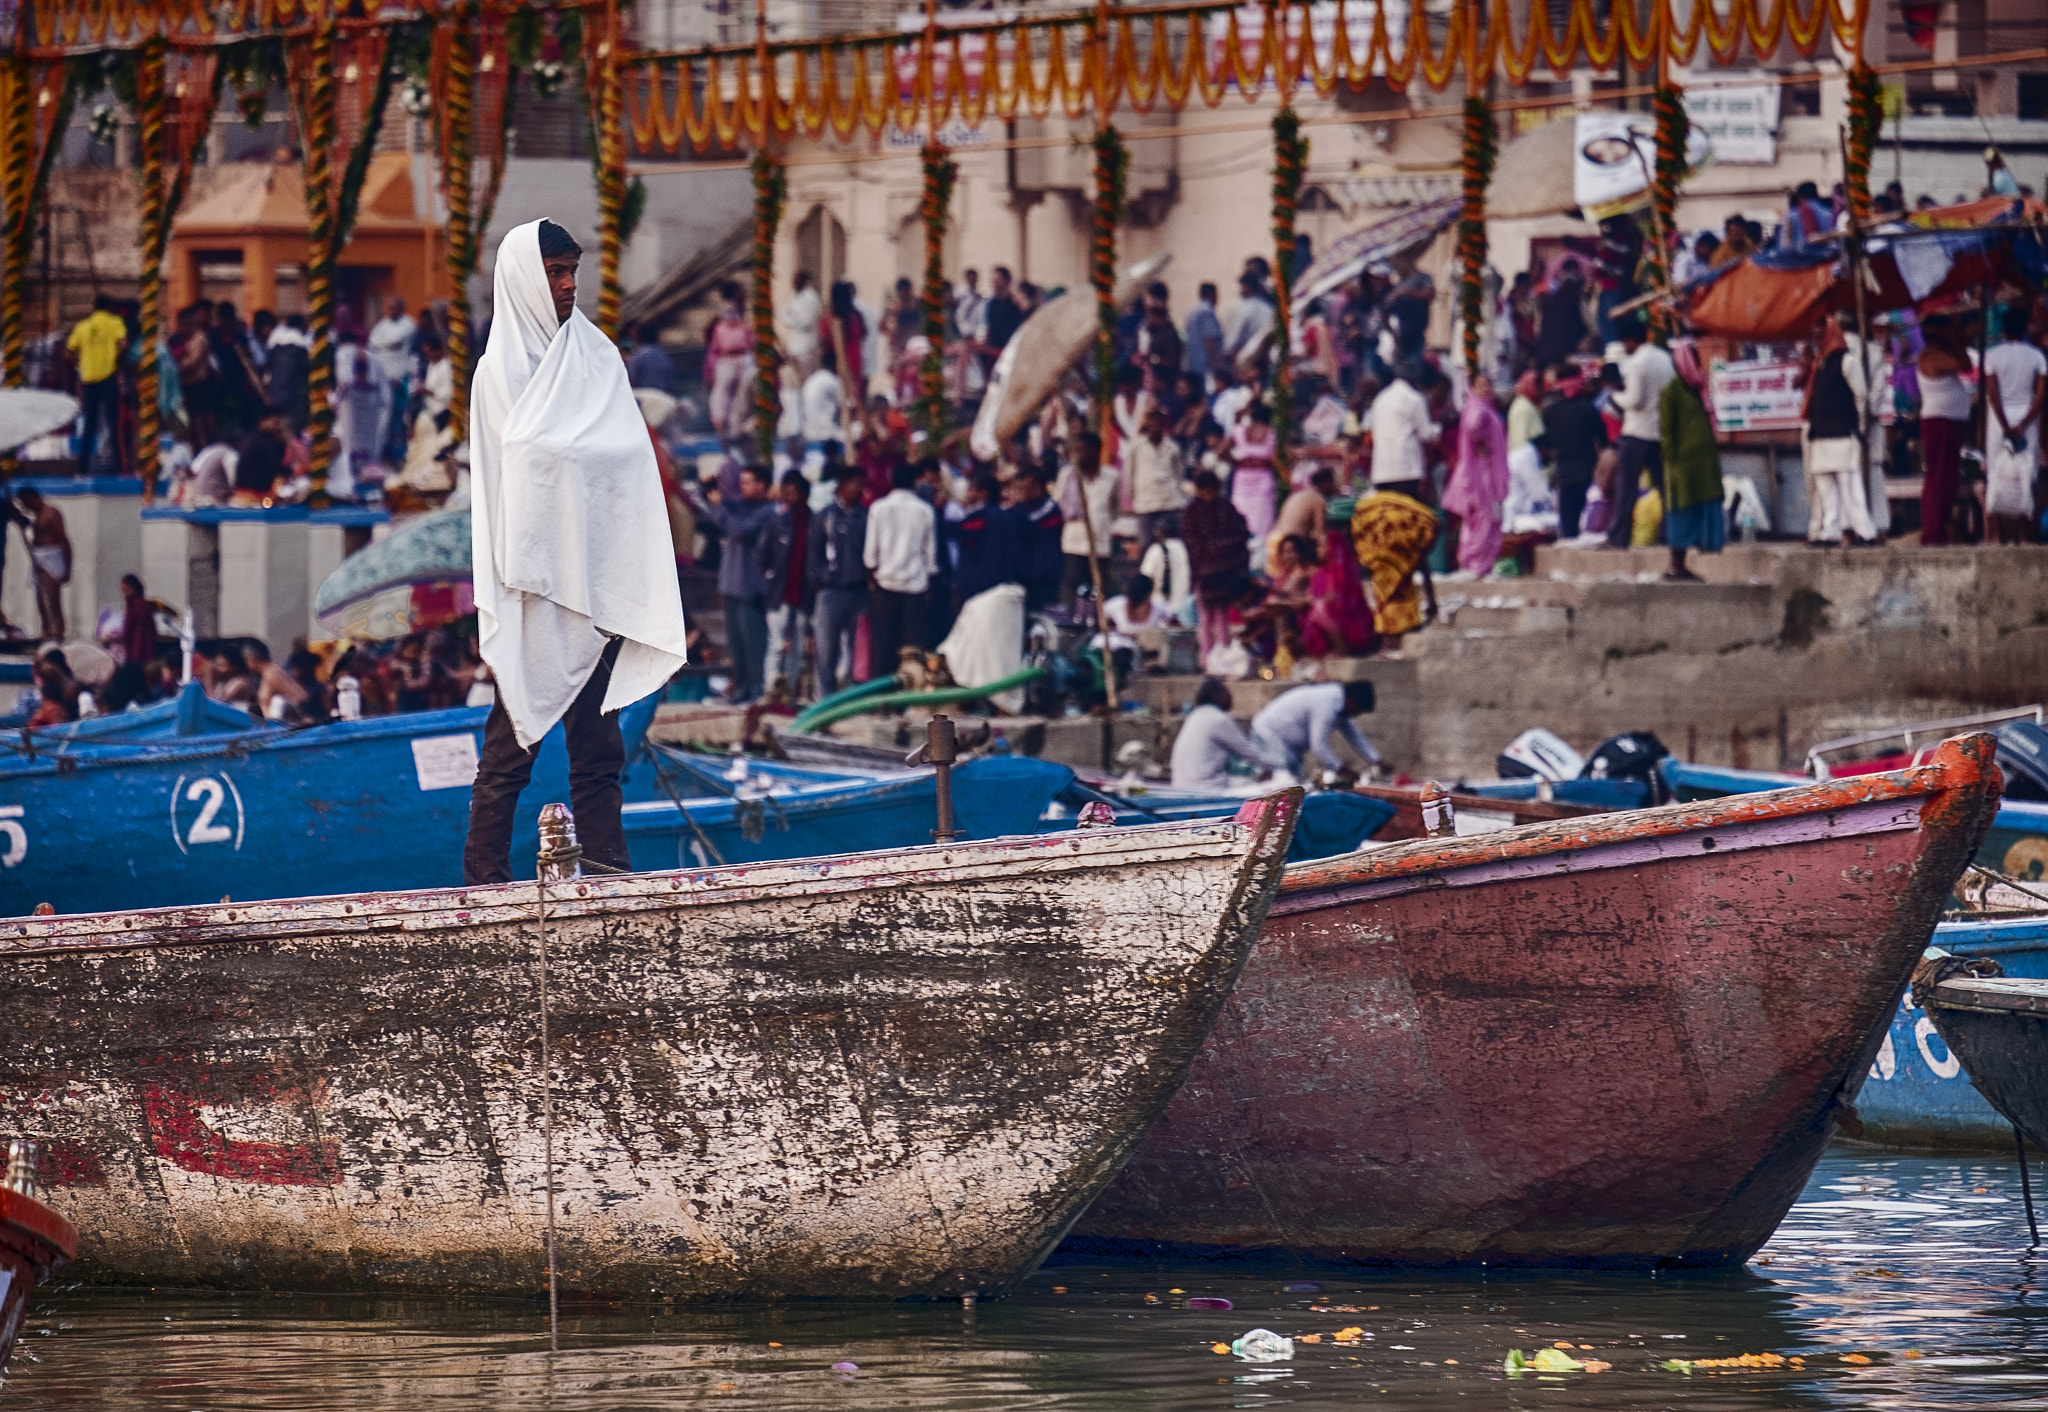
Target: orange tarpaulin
1764,306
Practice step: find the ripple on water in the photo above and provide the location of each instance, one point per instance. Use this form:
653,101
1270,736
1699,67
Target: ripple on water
1892,1272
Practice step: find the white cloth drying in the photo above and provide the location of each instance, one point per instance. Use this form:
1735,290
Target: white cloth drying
571,541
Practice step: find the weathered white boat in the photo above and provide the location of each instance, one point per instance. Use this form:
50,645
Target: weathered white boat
891,1074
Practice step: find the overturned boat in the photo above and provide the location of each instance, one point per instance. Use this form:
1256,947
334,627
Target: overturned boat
892,1074
1613,1041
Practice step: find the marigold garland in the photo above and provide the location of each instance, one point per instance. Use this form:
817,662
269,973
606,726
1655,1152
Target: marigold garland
1674,128
941,172
771,190
1476,160
1290,162
1866,119
604,90
1112,170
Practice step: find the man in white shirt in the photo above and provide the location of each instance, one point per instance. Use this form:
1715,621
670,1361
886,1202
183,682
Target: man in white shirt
1402,428
1296,725
391,341
2016,378
1152,472
1251,319
800,324
970,324
902,554
820,401
1209,740
1645,369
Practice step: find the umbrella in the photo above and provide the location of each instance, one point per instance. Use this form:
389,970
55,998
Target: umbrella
1345,258
1038,355
431,549
28,412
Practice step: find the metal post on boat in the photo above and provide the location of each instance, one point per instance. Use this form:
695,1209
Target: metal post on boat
1439,819
561,857
941,749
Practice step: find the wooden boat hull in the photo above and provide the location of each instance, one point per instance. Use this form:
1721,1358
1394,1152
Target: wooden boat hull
1612,1041
1998,1027
35,1242
361,806
889,1074
1917,1095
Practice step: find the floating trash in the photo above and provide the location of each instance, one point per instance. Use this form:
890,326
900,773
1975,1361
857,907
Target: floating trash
846,1367
1304,1287
1263,1346
1209,1302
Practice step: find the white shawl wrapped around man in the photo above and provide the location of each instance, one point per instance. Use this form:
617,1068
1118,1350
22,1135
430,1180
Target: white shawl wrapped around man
571,539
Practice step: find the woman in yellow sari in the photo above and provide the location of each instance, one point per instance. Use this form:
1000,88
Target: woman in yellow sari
1392,530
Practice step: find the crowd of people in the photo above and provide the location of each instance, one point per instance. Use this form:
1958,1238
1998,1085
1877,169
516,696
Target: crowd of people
232,400
1581,427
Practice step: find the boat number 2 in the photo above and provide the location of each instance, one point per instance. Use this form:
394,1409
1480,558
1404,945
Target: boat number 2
205,810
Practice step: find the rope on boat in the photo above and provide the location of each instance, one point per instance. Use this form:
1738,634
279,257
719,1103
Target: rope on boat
566,856
2019,1143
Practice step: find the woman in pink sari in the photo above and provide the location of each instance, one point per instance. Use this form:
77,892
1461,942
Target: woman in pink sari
1479,483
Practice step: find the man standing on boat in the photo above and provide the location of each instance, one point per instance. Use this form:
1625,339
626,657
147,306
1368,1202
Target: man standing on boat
578,609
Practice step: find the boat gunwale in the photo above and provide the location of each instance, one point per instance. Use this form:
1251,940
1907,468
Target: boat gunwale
445,908
39,1222
1957,763
1992,995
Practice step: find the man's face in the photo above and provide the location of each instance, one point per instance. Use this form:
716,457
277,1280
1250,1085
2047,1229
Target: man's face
752,486
562,283
1088,457
999,283
792,495
1155,424
848,491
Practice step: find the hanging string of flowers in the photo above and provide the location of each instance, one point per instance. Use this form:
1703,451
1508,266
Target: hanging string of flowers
1290,162
606,93
1476,160
1112,170
1667,106
771,190
1866,118
149,121
317,123
940,174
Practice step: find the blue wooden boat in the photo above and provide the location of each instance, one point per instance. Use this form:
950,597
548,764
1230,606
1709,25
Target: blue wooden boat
1998,1026
1332,821
1917,1094
993,797
191,712
1597,794
93,821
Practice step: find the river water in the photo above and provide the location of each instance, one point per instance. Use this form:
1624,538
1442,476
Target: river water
1899,1281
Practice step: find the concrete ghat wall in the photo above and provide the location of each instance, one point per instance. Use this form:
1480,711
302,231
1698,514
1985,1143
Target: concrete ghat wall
1783,647
249,573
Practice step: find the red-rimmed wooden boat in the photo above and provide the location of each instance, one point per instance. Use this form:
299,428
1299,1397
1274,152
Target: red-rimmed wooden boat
886,1074
1619,1040
35,1242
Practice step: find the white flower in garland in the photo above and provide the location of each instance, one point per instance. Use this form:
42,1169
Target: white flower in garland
105,123
416,98
548,77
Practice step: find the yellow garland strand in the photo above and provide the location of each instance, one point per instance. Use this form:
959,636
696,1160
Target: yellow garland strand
458,93
607,106
316,86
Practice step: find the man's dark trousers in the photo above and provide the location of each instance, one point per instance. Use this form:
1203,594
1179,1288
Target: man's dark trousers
1637,455
101,406
597,752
